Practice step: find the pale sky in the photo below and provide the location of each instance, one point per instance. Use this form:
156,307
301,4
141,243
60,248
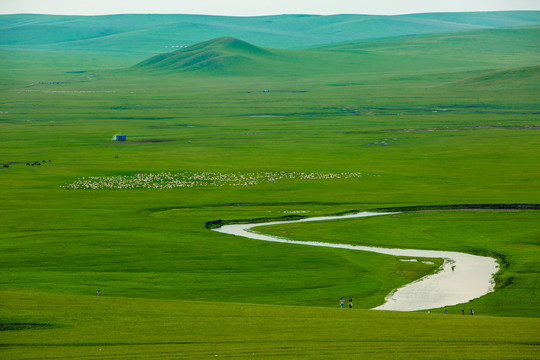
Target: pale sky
258,7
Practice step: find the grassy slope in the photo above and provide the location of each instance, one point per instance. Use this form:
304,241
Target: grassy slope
224,55
112,328
445,144
491,46
528,76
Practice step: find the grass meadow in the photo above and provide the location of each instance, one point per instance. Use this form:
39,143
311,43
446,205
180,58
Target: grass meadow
418,130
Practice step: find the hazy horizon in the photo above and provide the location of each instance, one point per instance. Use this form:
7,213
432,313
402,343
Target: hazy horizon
260,7
301,14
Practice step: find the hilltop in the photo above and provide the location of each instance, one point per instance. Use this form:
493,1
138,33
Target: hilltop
226,53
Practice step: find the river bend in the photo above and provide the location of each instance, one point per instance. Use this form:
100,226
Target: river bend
461,277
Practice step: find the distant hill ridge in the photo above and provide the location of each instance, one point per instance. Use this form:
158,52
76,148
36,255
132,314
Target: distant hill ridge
480,50
153,34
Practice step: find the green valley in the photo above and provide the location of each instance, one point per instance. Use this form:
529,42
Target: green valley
263,118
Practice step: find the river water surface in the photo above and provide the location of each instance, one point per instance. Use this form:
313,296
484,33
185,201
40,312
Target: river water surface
461,277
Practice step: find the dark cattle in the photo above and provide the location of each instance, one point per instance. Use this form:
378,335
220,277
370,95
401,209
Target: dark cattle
43,161
6,165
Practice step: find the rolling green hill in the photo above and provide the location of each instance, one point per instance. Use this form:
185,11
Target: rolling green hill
223,54
153,34
478,50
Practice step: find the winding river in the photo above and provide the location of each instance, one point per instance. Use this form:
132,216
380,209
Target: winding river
461,277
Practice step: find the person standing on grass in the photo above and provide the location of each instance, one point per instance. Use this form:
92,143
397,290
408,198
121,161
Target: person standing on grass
350,303
98,293
341,302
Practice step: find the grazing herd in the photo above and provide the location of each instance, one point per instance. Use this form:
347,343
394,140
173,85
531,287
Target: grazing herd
36,163
31,163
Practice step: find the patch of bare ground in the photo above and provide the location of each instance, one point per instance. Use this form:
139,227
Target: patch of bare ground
22,326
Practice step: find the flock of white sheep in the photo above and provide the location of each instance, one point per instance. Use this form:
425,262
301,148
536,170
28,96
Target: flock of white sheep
168,180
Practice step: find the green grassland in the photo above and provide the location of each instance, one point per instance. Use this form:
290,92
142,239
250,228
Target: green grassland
113,328
428,120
